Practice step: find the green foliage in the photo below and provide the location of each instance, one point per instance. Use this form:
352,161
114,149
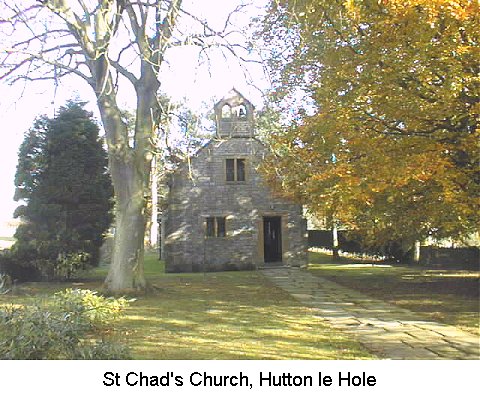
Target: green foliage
62,177
61,331
12,265
268,122
90,307
71,263
5,283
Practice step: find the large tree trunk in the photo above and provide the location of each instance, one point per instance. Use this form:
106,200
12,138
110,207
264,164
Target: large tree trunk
130,185
126,269
130,168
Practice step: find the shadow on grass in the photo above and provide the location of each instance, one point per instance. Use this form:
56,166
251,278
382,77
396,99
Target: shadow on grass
447,296
229,315
226,315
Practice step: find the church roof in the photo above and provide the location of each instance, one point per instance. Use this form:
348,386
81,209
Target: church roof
233,98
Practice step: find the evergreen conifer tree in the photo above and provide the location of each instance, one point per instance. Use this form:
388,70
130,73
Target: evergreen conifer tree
63,180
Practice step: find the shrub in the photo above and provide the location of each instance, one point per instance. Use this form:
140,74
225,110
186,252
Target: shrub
62,331
88,306
16,268
71,263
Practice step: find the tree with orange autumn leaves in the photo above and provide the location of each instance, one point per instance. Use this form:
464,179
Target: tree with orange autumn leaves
392,148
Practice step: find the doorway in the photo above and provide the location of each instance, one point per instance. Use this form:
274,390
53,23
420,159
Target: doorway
272,239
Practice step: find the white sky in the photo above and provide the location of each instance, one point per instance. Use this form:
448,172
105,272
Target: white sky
183,80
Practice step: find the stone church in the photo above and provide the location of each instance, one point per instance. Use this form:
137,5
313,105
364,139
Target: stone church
220,215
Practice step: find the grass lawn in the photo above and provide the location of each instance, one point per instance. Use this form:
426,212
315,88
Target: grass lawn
227,315
448,296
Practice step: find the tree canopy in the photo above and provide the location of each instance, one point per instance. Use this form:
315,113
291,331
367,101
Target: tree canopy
62,178
390,145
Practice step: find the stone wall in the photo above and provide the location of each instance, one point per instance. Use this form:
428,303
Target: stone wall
201,191
459,258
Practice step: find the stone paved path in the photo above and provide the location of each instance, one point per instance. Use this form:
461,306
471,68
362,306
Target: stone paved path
386,330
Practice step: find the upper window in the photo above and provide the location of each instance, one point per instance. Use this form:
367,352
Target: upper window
235,169
242,111
226,111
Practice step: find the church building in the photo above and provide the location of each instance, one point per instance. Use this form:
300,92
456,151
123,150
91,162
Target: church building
220,214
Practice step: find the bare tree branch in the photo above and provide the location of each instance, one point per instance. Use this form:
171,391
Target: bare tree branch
124,71
100,42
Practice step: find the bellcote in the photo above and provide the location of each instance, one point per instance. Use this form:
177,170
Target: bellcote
234,116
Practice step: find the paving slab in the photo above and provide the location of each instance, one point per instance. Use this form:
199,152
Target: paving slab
388,331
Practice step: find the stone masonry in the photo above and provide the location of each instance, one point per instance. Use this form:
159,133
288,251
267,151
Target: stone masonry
216,223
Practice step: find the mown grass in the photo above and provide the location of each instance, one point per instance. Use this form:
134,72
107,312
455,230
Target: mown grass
447,296
226,315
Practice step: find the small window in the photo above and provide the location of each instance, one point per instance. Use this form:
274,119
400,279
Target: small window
226,111
242,111
235,169
215,227
230,166
221,227
210,228
241,170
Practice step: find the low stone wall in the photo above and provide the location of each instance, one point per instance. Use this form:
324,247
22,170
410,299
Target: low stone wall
459,258
209,268
323,238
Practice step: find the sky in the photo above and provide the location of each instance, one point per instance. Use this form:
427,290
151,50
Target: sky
181,79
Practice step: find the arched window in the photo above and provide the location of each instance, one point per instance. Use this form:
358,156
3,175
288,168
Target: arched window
242,111
226,111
